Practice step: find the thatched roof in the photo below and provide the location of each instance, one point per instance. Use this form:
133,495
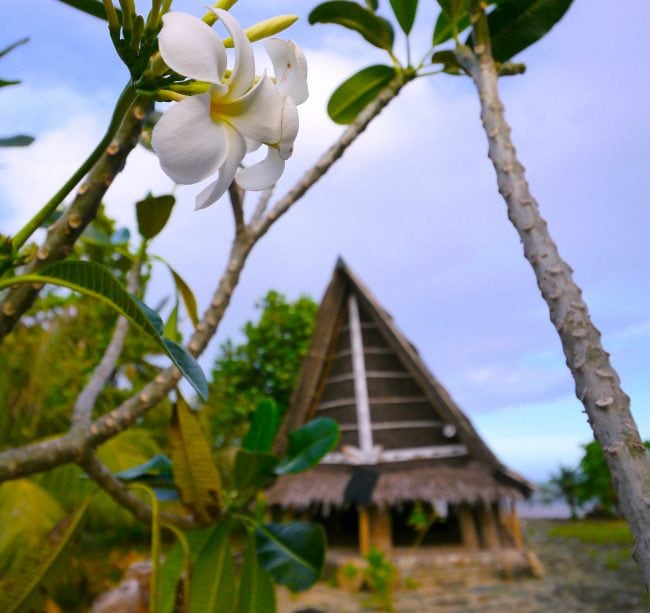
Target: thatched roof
394,415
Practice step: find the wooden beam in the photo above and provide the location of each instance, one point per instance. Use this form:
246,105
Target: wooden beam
343,353
402,455
344,402
395,425
488,525
371,374
467,525
381,530
360,385
364,530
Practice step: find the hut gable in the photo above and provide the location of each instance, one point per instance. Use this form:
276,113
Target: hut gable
393,414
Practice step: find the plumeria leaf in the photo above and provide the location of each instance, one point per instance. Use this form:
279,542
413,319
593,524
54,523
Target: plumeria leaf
20,140
354,94
156,473
213,574
184,290
23,587
171,326
308,445
12,46
6,83
256,592
253,469
376,30
153,213
453,19
405,11
373,5
263,428
293,554
195,473
97,281
91,7
517,24
449,60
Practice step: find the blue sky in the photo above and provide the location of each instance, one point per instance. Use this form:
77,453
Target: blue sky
413,206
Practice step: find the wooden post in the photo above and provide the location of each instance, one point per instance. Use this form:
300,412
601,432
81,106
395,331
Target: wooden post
381,529
488,526
364,530
514,526
467,526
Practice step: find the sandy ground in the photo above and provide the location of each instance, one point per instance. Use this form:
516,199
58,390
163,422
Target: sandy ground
579,577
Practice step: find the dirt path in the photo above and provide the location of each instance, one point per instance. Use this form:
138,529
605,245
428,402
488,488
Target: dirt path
580,577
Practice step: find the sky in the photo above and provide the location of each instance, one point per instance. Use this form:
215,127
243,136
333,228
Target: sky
412,207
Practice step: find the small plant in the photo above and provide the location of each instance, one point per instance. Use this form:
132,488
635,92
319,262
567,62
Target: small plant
381,577
350,576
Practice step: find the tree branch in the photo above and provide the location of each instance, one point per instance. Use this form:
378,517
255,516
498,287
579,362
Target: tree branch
120,494
74,445
597,383
237,194
62,235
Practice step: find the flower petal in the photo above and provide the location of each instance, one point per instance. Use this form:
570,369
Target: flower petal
263,174
290,68
243,72
258,114
189,145
289,129
192,48
236,152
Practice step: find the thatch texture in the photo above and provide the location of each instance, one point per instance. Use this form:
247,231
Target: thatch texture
325,486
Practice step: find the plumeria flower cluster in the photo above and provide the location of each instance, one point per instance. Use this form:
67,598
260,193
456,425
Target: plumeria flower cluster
212,132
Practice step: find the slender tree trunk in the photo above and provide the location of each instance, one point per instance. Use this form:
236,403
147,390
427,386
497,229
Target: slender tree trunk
596,382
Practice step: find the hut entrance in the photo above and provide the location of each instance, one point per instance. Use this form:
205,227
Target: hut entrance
341,525
444,531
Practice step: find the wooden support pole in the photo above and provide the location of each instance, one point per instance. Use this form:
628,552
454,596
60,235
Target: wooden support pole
515,526
467,526
381,529
488,526
364,530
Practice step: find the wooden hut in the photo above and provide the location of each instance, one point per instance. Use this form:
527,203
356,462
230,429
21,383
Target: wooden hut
404,442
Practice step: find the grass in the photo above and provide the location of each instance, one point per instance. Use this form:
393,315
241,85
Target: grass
596,531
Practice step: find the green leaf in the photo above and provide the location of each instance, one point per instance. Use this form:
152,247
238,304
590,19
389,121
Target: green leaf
405,11
354,94
175,563
256,592
27,513
25,585
92,279
517,24
20,140
153,213
91,7
449,60
213,575
12,46
263,428
187,295
195,473
293,554
171,326
376,30
309,444
444,29
156,473
188,366
373,5
253,469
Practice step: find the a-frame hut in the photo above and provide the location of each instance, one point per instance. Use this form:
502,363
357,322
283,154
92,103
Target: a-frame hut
404,442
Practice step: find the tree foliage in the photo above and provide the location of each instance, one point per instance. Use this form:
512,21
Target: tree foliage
264,365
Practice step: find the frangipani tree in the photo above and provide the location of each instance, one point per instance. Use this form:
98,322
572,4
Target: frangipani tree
223,111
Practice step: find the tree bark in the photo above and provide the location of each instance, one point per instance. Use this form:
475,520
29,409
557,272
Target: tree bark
597,384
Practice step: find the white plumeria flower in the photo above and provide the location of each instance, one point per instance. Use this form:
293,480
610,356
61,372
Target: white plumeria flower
290,68
209,132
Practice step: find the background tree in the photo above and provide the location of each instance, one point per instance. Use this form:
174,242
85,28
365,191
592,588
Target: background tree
563,485
264,365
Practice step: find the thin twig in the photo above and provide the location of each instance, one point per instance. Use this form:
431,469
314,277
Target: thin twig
237,194
262,203
120,494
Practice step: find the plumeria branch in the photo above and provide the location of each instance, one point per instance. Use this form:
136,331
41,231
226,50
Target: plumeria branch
121,494
597,383
76,444
63,234
83,408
